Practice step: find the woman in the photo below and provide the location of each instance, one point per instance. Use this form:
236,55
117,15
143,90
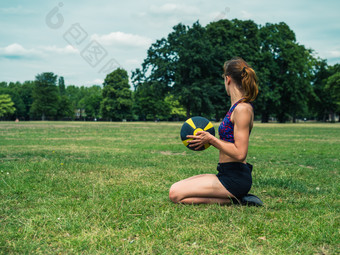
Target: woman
234,178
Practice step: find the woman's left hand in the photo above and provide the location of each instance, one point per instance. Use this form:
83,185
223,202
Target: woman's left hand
199,139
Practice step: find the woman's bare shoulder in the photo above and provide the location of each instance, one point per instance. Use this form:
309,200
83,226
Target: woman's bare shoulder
243,108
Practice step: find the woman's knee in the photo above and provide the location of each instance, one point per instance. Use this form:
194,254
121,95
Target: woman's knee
174,194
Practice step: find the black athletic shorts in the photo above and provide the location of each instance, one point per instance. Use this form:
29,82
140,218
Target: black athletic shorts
235,177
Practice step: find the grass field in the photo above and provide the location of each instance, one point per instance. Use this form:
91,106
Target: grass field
102,188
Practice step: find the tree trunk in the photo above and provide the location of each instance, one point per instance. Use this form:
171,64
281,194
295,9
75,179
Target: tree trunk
324,117
265,117
294,119
332,117
217,118
188,112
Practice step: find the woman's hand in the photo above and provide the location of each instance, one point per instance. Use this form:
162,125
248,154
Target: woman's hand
199,139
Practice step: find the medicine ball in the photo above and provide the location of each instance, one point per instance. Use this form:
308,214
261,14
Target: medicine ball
192,126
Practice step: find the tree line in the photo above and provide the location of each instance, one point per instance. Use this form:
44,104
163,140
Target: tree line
181,77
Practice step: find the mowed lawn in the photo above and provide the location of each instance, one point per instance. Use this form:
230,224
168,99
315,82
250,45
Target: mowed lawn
102,188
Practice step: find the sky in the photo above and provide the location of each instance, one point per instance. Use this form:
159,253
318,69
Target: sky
85,40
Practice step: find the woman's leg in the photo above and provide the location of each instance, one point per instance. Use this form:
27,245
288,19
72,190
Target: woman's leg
200,189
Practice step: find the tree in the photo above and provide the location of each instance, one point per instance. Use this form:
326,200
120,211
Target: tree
176,109
26,94
14,90
74,96
333,87
284,69
46,96
323,100
91,101
65,109
189,63
117,96
21,95
148,104
61,86
180,65
6,105
192,79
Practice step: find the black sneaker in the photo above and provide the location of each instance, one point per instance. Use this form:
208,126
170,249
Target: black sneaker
251,200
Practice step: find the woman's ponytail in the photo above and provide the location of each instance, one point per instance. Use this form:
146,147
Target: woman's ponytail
244,76
249,84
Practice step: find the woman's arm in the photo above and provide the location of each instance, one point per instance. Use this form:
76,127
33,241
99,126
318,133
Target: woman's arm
242,116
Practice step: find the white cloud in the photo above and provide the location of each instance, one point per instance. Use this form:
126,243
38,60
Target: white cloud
89,83
165,8
97,82
171,8
123,39
246,15
216,16
16,50
15,10
66,50
334,53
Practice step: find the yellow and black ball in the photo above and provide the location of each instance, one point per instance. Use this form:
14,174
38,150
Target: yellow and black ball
192,126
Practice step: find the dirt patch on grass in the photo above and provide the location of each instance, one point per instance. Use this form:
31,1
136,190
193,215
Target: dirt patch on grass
169,153
309,167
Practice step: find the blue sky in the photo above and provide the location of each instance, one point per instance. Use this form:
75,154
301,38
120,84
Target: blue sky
82,40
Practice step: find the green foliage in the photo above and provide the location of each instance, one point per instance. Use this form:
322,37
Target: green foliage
117,96
323,99
149,104
188,64
180,64
15,92
91,101
26,93
21,95
6,105
333,87
65,109
288,68
61,86
46,96
177,111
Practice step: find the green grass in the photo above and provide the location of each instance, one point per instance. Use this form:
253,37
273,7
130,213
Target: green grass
102,188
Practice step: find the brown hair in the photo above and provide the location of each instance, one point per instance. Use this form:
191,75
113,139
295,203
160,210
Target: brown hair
244,76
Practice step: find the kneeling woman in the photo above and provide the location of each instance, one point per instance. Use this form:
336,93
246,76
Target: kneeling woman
234,178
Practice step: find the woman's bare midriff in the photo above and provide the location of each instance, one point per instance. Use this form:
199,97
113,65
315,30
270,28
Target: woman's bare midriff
225,158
